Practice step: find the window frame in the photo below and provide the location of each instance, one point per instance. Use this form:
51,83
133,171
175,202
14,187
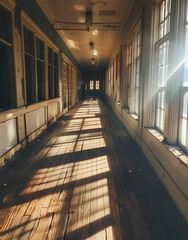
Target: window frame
132,89
184,89
10,6
27,22
161,40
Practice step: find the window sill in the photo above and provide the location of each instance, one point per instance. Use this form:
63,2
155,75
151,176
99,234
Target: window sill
117,102
175,150
133,115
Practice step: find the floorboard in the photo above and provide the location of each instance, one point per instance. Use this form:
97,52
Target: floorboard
85,178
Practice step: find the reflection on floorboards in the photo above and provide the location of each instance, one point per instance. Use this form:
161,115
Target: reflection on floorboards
64,192
85,178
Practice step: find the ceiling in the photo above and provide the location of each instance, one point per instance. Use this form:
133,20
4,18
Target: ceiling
109,13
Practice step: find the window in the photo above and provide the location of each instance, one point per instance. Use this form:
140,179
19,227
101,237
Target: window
183,133
6,57
162,50
41,63
133,59
52,74
129,70
91,86
118,62
137,71
97,85
35,89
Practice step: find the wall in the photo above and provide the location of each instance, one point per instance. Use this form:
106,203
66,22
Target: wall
25,122
169,162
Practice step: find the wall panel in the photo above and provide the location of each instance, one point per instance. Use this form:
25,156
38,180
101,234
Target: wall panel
35,120
8,136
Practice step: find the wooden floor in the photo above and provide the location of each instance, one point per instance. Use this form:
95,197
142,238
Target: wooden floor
85,178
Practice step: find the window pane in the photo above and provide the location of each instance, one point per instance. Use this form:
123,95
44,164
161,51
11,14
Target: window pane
5,25
185,80
162,11
91,85
55,82
55,60
162,120
40,49
56,75
28,41
29,71
160,109
40,80
4,76
49,55
164,21
184,131
185,105
158,117
50,82
97,85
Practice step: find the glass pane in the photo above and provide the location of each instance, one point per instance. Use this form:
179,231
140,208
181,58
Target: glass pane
5,25
161,30
185,105
50,82
160,77
163,76
55,59
163,99
165,26
49,55
91,85
136,107
166,9
159,99
185,80
168,26
55,82
129,74
138,66
4,76
40,49
160,55
164,52
28,41
169,6
162,120
29,71
162,12
40,80
137,79
157,117
184,131
186,11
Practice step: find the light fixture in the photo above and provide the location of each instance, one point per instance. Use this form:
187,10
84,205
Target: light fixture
93,61
95,32
91,46
88,20
95,52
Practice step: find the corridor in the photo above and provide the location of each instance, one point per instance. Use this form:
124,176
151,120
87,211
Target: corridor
85,178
